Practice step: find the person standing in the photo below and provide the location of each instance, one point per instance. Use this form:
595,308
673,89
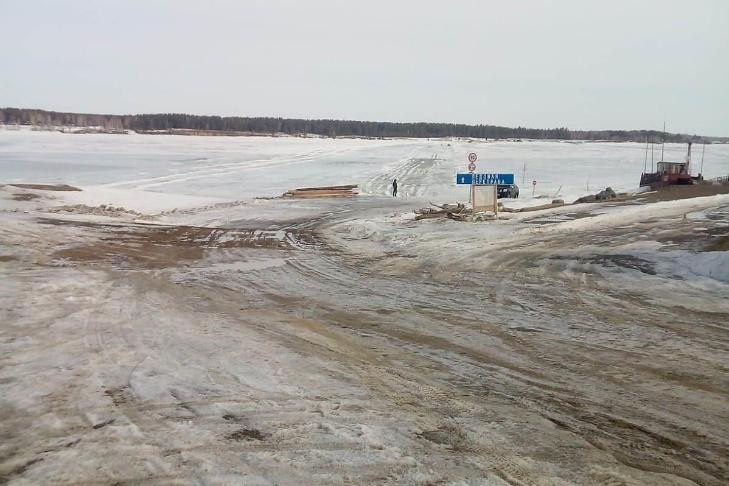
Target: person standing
394,188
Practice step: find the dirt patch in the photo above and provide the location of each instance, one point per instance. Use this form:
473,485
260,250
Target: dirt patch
719,244
103,210
385,312
47,187
246,434
154,246
119,395
673,193
19,470
451,435
7,258
232,418
625,261
25,197
191,235
124,254
103,424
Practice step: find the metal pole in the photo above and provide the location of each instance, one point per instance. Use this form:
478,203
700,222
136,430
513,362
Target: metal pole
688,159
645,162
663,140
523,174
652,145
496,200
702,159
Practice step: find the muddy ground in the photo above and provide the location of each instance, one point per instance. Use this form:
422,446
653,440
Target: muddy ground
673,193
175,354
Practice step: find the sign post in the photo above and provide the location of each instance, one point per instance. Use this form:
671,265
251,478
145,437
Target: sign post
471,169
484,198
487,179
484,188
534,186
472,160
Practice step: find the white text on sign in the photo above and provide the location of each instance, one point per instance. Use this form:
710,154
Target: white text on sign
486,179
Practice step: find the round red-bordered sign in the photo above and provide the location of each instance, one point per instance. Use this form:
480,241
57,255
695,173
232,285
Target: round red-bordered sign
472,157
471,166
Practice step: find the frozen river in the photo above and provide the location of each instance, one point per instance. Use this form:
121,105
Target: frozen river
245,167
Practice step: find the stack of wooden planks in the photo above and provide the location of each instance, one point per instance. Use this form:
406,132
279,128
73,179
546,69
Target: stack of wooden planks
554,204
452,211
327,191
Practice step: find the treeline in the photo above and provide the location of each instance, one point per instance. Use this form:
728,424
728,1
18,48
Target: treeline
21,116
327,128
335,128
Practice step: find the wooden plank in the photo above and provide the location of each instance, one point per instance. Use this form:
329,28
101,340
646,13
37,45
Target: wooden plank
327,188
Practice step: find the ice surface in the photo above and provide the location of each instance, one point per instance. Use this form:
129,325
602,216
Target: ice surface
235,168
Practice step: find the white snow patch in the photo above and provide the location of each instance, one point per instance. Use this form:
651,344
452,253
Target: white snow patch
142,201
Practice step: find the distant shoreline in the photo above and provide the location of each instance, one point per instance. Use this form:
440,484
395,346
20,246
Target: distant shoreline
185,124
91,130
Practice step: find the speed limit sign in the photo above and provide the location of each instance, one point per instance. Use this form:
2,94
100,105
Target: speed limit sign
472,157
471,167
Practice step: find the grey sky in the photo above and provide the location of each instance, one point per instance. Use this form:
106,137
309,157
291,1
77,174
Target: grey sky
581,64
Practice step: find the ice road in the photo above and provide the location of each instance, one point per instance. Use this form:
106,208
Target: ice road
199,335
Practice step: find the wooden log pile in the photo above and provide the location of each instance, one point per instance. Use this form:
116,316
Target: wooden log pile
600,196
452,211
554,204
326,191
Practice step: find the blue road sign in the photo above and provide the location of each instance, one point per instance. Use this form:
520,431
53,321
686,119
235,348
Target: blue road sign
485,179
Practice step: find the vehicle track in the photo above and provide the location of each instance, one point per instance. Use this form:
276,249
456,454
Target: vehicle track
475,378
228,168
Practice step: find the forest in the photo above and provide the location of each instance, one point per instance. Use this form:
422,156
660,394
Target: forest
237,125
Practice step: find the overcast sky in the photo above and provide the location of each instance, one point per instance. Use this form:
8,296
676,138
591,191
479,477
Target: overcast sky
577,63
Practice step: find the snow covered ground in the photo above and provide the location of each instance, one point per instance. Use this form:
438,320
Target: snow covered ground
223,339
244,167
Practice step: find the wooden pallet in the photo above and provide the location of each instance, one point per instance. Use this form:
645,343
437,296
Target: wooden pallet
326,191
